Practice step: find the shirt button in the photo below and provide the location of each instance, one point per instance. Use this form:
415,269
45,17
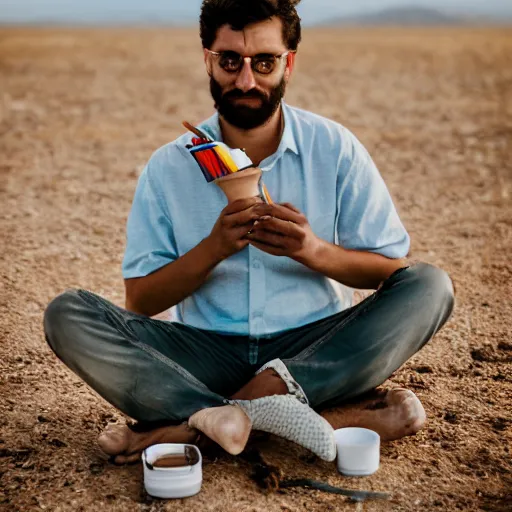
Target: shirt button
256,264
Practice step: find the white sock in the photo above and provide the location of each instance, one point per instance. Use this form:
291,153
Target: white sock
286,416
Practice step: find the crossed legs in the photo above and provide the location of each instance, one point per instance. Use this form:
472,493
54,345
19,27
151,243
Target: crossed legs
101,343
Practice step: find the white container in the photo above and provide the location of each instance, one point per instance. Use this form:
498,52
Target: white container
166,483
358,451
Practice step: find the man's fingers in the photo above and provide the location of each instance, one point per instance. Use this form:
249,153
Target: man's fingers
268,238
242,231
280,212
241,218
283,227
240,205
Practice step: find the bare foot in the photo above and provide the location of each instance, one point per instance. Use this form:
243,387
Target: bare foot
126,445
396,413
266,383
228,426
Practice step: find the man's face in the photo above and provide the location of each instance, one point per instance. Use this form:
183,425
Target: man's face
245,98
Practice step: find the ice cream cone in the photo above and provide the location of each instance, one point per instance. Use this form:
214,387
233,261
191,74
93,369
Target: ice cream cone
241,184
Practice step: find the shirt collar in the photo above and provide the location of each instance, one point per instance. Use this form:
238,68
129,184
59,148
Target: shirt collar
212,127
288,140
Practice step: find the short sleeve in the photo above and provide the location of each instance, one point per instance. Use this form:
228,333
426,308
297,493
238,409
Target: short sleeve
150,243
366,218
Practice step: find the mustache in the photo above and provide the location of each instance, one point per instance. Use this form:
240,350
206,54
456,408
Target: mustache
252,94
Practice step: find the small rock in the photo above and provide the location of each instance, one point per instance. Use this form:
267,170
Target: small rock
424,368
484,354
450,417
499,424
43,419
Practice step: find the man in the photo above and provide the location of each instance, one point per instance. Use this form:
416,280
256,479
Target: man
263,337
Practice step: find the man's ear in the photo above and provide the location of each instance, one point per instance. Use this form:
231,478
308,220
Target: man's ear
290,65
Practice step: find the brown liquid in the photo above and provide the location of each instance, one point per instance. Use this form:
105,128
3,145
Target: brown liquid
189,458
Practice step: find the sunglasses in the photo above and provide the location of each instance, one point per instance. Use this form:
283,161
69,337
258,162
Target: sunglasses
263,63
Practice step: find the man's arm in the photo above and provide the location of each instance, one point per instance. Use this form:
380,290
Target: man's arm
168,286
174,282
356,269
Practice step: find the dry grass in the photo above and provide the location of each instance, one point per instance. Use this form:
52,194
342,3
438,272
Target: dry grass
80,113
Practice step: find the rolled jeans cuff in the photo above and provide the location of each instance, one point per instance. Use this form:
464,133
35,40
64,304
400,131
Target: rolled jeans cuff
293,386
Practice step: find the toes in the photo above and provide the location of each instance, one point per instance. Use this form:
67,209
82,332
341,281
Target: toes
411,411
412,407
416,416
415,426
113,439
396,396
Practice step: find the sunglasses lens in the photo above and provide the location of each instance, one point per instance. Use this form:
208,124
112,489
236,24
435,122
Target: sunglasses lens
230,61
264,65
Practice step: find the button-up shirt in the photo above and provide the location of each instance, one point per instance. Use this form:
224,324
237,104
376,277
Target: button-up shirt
322,169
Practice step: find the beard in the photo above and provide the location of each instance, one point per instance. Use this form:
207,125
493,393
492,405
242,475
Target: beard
243,116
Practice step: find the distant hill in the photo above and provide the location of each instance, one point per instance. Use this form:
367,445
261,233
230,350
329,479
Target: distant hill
399,16
313,12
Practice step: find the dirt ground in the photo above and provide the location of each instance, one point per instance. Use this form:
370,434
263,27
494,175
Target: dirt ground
80,113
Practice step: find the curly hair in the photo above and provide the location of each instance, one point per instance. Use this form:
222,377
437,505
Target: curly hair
240,13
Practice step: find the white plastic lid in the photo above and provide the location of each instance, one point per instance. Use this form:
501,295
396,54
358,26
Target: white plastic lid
177,482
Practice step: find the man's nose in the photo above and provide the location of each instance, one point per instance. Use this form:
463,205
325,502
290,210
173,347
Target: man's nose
245,80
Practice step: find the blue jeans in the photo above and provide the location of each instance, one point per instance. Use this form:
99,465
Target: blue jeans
158,371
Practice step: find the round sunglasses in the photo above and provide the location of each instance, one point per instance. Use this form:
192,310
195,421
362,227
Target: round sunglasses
263,63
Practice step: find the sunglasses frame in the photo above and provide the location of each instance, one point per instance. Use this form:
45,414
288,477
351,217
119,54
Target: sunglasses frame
243,57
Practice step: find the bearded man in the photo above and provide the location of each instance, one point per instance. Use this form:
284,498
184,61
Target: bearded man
263,335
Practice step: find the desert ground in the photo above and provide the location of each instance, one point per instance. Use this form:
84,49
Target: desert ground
82,110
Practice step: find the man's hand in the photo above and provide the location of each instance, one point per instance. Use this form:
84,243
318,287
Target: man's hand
228,236
282,230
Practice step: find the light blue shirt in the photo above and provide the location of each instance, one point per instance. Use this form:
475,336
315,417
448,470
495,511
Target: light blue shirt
319,167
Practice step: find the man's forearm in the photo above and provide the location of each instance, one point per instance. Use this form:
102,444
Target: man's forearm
357,269
173,283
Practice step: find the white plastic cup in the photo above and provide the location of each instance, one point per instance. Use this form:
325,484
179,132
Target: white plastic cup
358,451
179,482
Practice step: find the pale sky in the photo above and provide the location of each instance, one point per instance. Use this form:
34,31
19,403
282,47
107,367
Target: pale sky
179,11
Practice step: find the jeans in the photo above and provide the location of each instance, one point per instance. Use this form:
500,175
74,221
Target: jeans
153,370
